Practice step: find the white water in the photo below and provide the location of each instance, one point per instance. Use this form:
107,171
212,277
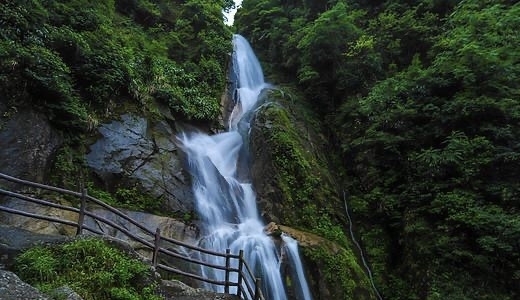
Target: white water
227,204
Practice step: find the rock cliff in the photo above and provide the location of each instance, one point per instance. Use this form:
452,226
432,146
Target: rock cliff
133,151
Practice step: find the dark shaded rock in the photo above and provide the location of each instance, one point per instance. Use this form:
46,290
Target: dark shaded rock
13,288
15,240
268,195
28,144
132,153
230,96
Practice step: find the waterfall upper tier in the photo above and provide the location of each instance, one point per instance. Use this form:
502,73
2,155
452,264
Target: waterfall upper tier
250,80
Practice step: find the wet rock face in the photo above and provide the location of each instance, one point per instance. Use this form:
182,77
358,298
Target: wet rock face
28,143
268,195
131,152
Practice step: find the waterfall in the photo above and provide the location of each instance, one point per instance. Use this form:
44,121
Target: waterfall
225,200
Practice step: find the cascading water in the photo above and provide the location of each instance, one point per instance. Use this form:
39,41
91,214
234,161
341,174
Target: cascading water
225,199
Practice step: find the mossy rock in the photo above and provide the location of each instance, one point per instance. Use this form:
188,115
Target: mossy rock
333,271
300,192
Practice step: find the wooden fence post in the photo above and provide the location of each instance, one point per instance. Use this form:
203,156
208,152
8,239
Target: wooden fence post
258,282
226,284
156,247
82,207
240,267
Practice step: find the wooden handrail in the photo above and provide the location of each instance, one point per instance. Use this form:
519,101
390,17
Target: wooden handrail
38,201
245,288
37,216
39,185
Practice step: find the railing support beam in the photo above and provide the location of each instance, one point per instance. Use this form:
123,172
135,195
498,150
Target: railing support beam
226,286
240,268
156,247
82,207
258,292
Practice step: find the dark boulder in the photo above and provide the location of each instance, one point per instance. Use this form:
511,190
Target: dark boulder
134,152
28,143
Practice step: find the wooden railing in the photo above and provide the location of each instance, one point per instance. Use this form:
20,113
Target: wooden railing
247,285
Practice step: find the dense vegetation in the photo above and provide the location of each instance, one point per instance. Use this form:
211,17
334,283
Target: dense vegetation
302,194
420,99
77,60
85,62
91,267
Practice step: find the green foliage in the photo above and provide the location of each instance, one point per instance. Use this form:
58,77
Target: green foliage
128,198
132,198
101,195
184,93
297,40
38,265
92,268
403,31
426,145
68,167
77,61
422,102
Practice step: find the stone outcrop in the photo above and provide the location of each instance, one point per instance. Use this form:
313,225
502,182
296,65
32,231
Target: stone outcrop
28,143
13,288
268,194
65,293
131,152
35,225
294,186
169,227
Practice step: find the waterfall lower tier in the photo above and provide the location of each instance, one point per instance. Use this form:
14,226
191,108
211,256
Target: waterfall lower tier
227,204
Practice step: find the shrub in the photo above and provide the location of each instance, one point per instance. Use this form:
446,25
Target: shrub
90,267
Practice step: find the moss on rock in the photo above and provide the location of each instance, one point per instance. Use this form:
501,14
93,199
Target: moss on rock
300,193
333,270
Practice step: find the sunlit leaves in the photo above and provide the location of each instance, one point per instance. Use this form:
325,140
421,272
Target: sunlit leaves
482,43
